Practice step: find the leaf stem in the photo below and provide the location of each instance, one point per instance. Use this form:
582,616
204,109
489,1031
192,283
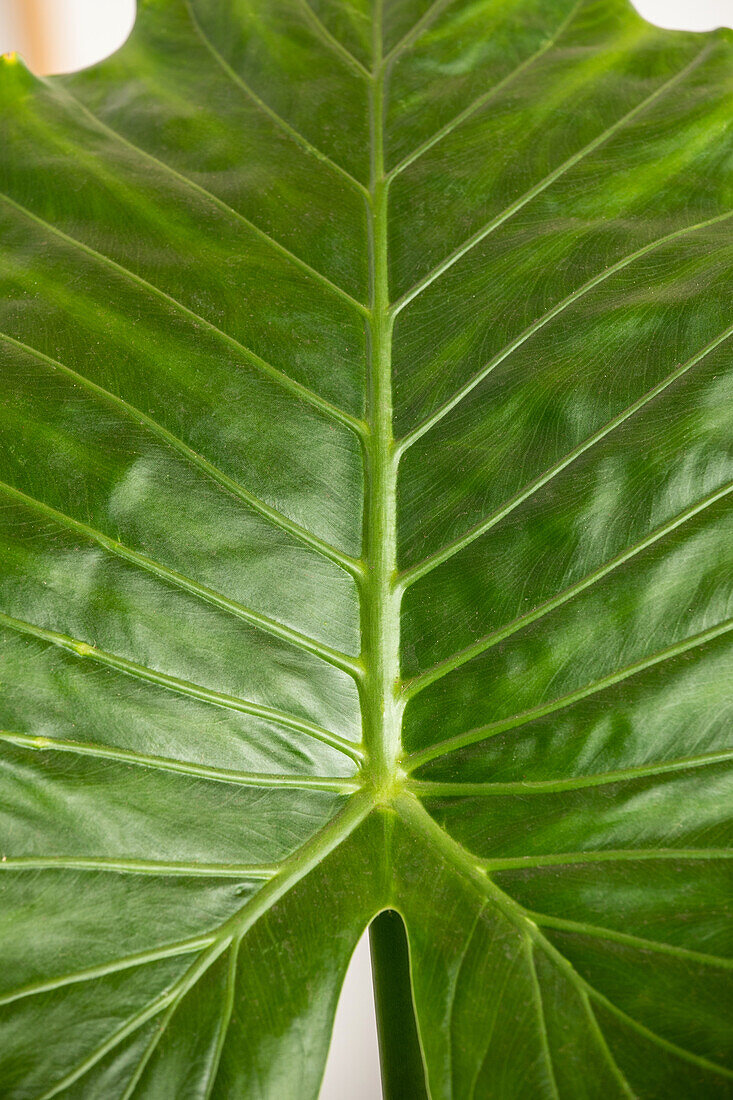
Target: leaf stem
403,1070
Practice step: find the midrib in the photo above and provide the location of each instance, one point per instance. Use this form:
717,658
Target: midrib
381,707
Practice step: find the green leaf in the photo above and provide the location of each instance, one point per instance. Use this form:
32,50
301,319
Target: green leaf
365,422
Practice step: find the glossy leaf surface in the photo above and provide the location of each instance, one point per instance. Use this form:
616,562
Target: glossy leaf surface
365,423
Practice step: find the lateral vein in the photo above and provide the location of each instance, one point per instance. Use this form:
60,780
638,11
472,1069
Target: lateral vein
185,767
652,1036
326,653
283,380
181,687
429,16
112,966
481,100
605,1049
163,869
277,519
455,854
186,181
279,121
604,855
169,999
409,576
544,1038
481,646
640,943
439,789
227,1009
481,234
492,729
333,43
228,934
447,407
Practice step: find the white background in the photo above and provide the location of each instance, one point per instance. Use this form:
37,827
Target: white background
62,35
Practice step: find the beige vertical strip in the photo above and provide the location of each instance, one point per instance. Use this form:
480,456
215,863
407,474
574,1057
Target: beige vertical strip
37,34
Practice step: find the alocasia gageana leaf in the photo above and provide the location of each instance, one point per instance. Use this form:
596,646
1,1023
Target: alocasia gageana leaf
365,453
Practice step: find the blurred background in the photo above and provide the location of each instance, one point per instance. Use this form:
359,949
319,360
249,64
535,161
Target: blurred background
56,36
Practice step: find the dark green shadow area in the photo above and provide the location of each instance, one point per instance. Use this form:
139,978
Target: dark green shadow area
403,1072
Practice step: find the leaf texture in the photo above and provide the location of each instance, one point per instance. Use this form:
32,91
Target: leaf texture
365,544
